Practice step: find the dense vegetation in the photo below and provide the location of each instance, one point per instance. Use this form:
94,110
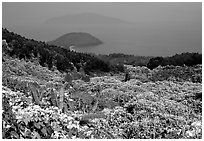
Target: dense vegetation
42,102
38,105
50,55
184,59
188,59
120,58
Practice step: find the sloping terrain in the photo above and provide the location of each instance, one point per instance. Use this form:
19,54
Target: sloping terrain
42,98
38,104
49,55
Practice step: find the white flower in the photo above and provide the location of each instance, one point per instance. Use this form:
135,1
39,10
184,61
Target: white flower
18,117
197,124
88,133
69,118
15,107
107,111
3,91
55,108
69,126
36,107
190,133
73,137
70,99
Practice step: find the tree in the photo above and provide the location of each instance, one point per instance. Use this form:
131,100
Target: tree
155,62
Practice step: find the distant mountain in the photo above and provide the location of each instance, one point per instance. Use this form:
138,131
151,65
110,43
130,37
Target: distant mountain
85,18
79,39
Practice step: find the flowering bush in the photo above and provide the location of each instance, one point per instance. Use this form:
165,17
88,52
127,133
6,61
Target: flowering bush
178,73
37,105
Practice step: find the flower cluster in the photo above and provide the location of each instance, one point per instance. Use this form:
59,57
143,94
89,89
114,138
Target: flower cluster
104,107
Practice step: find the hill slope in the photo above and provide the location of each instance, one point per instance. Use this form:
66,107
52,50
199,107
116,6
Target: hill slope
50,55
38,103
76,39
112,108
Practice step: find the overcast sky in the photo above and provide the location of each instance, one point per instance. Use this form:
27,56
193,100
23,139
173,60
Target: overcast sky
21,13
188,15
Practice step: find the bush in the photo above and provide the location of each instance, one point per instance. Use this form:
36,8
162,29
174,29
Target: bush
50,55
188,59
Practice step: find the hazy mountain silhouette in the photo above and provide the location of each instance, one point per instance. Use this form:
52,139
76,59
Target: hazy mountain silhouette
79,39
85,18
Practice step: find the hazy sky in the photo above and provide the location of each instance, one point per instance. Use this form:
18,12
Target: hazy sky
21,13
186,17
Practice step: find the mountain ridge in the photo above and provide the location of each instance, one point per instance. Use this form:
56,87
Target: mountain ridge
85,18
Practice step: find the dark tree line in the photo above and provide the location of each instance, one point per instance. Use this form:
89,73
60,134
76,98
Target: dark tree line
62,59
50,55
188,59
120,58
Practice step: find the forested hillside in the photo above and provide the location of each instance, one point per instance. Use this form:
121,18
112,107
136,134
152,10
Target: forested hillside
45,97
188,59
50,55
120,58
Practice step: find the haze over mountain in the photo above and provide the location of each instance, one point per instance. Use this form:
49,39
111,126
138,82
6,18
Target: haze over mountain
79,39
149,29
85,18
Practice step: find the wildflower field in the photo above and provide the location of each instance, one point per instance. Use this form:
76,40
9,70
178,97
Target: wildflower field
37,103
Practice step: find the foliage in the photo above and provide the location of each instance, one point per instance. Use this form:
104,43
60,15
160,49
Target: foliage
129,109
121,59
161,73
39,103
50,55
178,73
188,59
